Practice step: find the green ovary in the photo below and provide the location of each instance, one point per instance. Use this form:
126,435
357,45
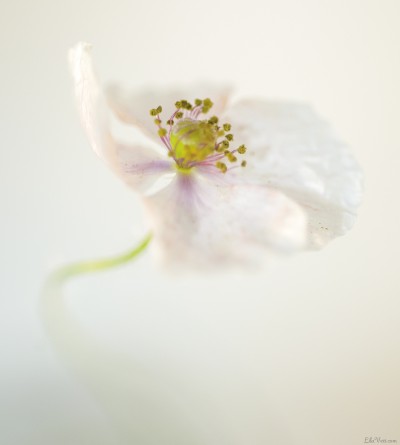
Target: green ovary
192,141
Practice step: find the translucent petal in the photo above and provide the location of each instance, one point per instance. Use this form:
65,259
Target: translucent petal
137,165
292,149
197,222
133,107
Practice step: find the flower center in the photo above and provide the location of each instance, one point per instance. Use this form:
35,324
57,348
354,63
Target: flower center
192,141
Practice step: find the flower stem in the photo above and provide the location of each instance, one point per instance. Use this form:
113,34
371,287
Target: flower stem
102,264
108,375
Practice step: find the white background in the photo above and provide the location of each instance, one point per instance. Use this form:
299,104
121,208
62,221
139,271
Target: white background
304,352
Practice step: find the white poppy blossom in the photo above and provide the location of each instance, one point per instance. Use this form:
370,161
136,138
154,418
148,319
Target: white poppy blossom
259,176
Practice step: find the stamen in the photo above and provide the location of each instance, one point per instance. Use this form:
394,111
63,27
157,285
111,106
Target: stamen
207,105
224,144
221,166
231,157
191,141
185,104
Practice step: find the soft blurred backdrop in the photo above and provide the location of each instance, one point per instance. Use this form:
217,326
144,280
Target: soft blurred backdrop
306,352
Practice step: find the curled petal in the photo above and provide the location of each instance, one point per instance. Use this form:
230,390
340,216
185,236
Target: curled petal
290,148
196,222
137,165
133,107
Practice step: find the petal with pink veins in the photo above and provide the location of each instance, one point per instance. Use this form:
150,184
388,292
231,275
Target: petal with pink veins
292,149
133,107
137,164
199,222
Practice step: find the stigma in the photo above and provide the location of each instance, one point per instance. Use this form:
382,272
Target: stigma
193,140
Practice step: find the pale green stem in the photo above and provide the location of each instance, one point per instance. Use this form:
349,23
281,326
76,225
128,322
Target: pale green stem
98,265
117,382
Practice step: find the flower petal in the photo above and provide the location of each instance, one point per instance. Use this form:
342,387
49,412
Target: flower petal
196,222
137,165
292,149
133,107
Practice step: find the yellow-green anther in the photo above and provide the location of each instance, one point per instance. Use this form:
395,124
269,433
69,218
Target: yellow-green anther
227,127
207,103
153,112
198,102
221,166
170,122
162,132
179,114
213,120
225,144
178,104
229,137
157,121
242,149
243,163
159,109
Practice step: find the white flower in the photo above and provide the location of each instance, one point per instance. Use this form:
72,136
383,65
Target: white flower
299,189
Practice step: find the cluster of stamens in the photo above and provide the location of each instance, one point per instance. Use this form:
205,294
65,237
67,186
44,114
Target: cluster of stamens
192,141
